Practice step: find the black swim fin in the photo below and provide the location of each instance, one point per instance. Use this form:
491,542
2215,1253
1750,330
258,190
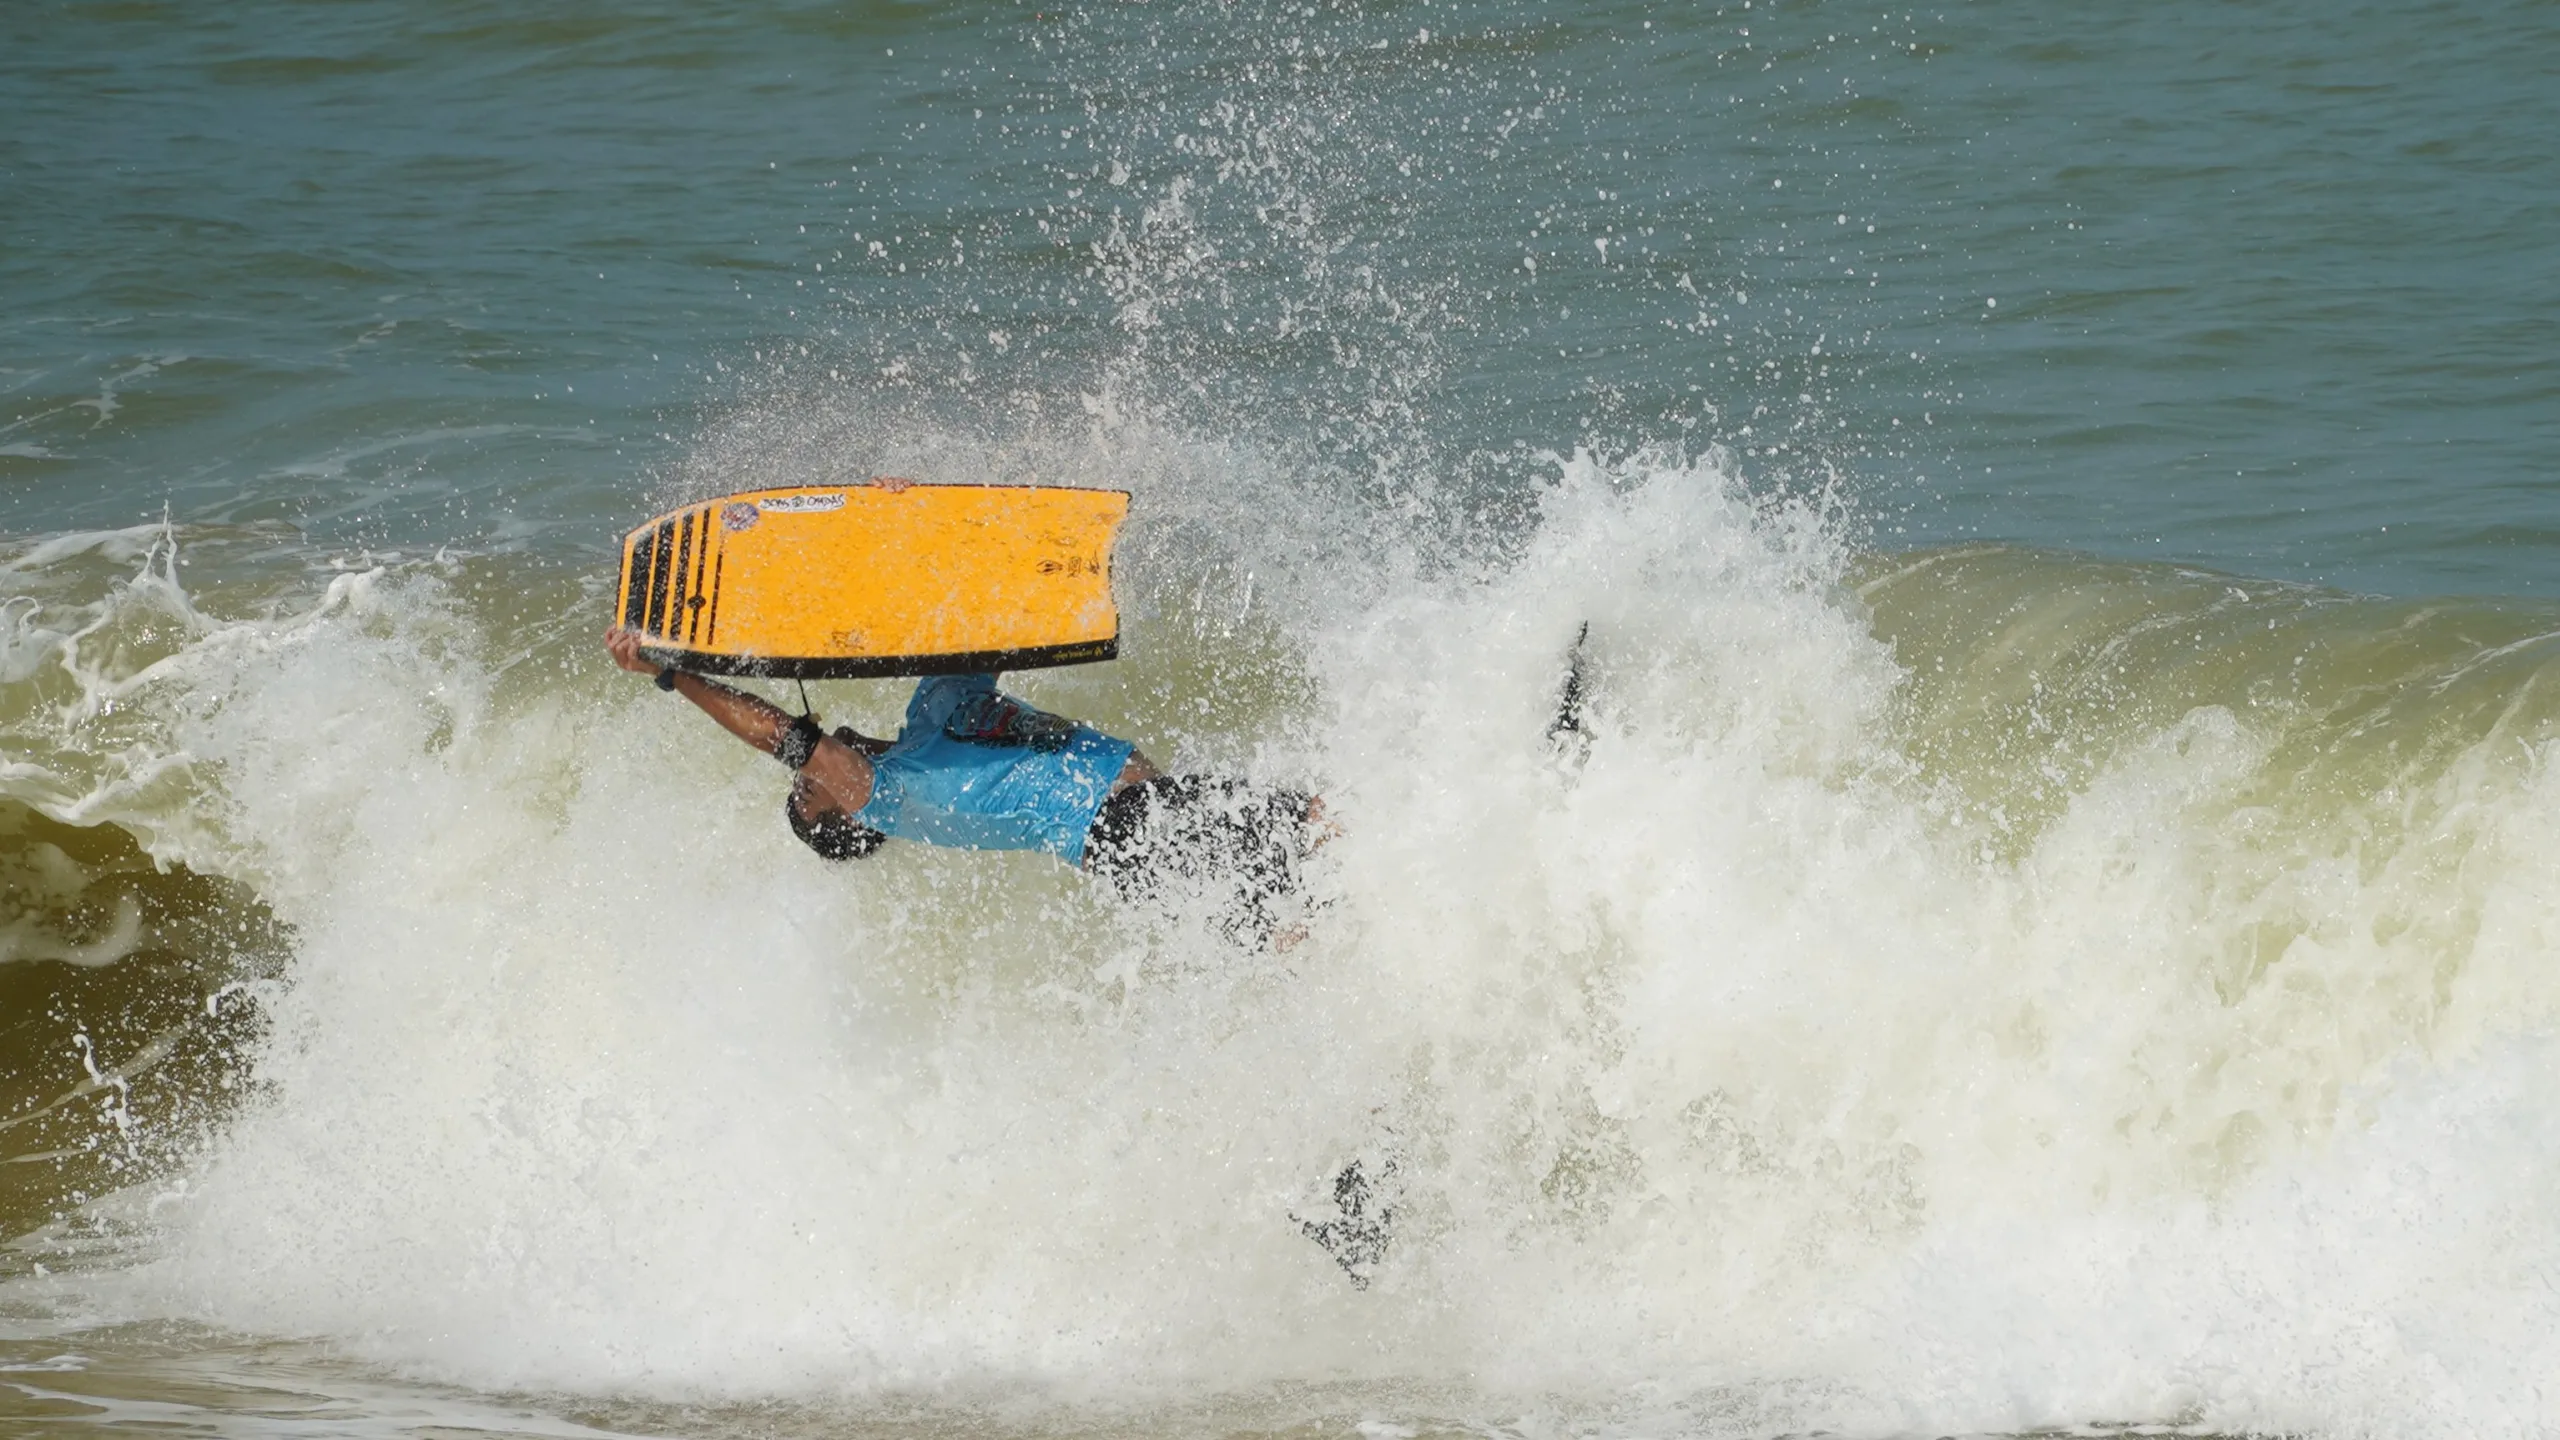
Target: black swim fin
1363,1221
1566,732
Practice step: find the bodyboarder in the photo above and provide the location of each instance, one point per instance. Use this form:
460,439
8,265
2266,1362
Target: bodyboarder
976,769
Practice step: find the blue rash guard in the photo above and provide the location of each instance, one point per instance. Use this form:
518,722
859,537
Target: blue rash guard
976,769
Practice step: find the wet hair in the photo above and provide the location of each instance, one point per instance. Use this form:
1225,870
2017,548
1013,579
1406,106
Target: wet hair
833,834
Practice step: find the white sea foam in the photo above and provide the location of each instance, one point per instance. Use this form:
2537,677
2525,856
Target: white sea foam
1735,1082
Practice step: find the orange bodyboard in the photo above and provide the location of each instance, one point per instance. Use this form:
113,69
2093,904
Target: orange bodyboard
838,581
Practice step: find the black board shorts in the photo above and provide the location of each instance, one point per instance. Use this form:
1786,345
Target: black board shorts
1231,846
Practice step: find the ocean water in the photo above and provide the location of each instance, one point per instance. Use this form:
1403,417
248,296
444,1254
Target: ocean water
2052,929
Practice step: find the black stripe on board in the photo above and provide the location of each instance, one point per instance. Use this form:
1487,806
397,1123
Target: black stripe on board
635,585
658,579
683,579
872,667
696,602
713,638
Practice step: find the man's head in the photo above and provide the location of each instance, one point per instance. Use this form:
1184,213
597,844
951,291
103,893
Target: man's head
831,832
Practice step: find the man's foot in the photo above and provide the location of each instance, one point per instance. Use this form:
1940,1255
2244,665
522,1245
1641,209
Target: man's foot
1316,827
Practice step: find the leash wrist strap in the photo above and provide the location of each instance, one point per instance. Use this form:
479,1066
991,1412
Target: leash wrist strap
799,743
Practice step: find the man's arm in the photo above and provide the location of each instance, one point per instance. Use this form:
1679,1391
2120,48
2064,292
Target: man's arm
841,773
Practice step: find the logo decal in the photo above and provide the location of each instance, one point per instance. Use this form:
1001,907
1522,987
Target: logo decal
740,516
801,504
